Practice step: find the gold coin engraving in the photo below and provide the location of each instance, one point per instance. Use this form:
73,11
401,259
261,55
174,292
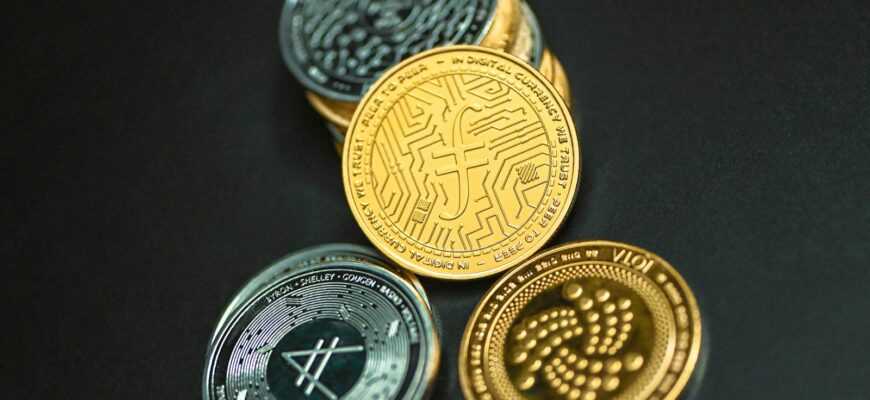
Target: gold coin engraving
587,320
577,350
461,162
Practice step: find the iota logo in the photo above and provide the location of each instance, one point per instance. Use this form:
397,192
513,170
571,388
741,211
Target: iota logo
309,372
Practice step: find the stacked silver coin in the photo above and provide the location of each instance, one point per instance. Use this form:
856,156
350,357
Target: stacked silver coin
330,322
338,48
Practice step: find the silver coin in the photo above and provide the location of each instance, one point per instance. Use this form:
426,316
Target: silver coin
314,255
537,36
336,135
324,324
337,48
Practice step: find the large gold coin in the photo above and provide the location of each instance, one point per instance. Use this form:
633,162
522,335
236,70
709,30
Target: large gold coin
585,320
461,162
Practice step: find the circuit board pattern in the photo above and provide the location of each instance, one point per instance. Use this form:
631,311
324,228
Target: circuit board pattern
338,47
460,163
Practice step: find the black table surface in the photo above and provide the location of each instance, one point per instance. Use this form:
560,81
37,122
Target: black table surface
160,154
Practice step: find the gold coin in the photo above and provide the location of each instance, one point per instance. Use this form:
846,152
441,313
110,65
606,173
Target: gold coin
560,81
508,27
585,320
548,69
335,112
504,25
552,68
461,162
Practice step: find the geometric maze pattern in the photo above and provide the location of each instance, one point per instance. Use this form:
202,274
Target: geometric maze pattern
460,163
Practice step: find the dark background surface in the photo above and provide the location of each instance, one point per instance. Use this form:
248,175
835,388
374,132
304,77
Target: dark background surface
160,155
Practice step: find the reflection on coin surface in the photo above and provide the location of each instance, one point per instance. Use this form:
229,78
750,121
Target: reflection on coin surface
323,327
335,112
552,68
336,48
337,131
461,162
560,81
529,43
337,136
585,320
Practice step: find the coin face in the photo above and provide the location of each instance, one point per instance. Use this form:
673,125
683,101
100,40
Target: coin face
585,320
328,328
461,162
336,48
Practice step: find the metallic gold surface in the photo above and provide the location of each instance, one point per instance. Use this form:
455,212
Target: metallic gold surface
461,162
335,112
524,40
509,27
547,69
585,320
502,31
552,68
560,81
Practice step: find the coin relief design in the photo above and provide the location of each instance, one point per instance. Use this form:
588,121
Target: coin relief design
338,125
338,47
461,162
586,320
334,330
527,45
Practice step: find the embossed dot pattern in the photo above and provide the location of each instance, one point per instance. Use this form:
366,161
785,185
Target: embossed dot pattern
590,325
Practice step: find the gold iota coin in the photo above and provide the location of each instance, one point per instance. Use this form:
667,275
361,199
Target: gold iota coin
461,162
585,320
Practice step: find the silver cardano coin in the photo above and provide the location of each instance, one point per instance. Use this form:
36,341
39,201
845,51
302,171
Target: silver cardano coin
336,48
324,323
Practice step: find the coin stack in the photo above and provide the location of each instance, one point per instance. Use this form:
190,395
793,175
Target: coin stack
337,49
460,160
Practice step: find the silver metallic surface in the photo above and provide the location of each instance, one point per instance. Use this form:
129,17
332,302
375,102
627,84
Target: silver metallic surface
337,48
324,323
336,134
